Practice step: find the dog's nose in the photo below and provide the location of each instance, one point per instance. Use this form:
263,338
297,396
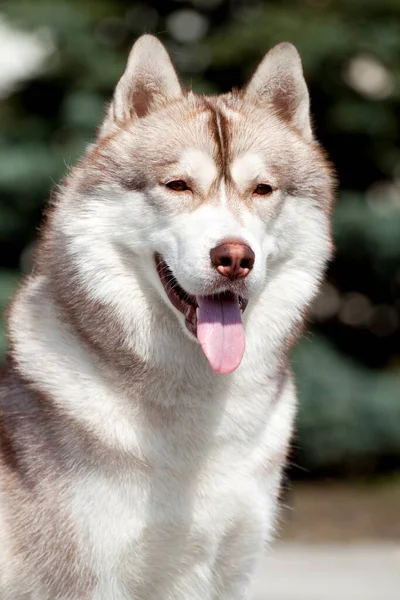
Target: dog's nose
233,259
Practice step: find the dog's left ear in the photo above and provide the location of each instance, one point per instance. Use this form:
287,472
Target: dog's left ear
149,81
279,82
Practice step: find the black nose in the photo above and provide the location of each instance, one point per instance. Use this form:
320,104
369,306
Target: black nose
233,259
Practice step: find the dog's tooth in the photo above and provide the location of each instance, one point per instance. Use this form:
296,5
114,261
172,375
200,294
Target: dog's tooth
197,312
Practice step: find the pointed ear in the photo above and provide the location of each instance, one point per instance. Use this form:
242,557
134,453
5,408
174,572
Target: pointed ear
149,80
279,81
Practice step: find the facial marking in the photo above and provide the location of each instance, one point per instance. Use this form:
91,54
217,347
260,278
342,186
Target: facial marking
222,191
247,169
221,139
200,167
231,115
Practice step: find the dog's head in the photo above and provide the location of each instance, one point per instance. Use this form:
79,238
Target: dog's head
209,196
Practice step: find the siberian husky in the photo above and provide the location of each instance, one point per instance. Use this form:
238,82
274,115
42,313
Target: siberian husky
147,402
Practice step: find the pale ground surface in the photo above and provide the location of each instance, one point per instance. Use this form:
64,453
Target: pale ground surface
338,542
330,572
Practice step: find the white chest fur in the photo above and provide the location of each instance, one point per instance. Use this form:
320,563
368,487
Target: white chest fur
187,498
189,526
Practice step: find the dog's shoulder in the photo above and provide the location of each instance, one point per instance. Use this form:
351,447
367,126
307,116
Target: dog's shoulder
20,405
17,395
31,431
24,428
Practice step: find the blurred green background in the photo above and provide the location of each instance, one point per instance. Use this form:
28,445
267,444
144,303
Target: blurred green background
59,63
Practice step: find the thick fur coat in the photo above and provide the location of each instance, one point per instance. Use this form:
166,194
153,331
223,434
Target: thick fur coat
132,466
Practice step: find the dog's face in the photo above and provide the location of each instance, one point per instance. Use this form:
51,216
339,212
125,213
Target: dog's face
210,196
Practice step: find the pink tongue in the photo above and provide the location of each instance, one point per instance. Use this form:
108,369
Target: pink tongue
220,332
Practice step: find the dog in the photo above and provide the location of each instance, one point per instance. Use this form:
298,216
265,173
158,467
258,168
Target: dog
147,402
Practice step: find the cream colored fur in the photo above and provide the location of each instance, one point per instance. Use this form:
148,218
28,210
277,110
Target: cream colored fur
174,494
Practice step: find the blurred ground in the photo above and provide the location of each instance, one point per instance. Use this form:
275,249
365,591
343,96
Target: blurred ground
330,572
337,541
339,512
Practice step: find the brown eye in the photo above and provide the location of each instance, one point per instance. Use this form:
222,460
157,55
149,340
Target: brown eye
263,189
178,186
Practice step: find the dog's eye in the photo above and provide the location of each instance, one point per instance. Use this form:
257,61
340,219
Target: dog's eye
178,186
263,189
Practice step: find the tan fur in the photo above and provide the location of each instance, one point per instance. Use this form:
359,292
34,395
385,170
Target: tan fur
128,468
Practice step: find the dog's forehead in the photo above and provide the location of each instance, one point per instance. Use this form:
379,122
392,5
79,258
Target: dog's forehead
217,140
208,139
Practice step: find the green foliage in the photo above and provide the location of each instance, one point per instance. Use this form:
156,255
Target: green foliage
348,374
347,413
368,231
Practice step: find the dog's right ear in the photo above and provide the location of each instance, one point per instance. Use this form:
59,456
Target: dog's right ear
149,81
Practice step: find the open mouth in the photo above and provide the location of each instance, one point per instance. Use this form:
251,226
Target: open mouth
216,320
